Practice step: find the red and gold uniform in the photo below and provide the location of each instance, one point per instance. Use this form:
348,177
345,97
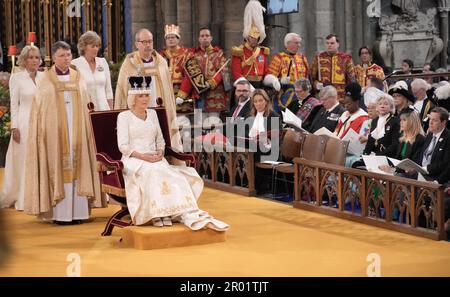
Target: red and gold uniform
175,60
363,75
335,69
252,64
284,62
210,61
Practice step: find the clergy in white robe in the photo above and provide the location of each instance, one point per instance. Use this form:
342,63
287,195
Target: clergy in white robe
156,191
95,71
61,182
22,87
147,62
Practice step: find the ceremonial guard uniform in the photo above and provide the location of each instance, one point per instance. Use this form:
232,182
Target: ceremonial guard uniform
210,60
336,70
288,66
252,64
365,72
176,57
249,60
285,64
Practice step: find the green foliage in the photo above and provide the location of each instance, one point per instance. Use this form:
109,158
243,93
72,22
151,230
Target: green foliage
5,124
115,69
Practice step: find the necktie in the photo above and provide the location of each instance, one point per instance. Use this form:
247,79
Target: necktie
236,111
429,151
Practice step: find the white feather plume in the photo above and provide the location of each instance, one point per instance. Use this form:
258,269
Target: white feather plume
443,92
253,14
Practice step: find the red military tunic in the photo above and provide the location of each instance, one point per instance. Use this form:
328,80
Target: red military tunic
253,64
210,61
296,64
364,75
175,60
336,69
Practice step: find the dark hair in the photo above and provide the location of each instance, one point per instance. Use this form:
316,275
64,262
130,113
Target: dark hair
204,28
443,113
331,36
58,45
409,62
353,91
378,83
365,47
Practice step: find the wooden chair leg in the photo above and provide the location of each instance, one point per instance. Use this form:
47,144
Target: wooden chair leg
115,220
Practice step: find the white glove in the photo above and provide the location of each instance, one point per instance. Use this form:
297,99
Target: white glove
272,81
319,86
285,80
179,101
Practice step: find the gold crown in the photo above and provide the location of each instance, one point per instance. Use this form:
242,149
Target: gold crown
172,29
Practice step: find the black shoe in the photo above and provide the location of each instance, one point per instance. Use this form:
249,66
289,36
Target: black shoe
63,223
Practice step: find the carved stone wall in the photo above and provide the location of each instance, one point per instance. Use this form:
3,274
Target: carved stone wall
376,23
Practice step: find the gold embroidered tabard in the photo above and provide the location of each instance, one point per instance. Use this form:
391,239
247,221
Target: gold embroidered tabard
70,164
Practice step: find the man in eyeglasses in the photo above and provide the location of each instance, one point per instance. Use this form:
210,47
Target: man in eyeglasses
148,62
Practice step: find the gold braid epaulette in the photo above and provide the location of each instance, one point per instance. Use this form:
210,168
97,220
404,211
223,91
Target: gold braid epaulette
266,50
237,51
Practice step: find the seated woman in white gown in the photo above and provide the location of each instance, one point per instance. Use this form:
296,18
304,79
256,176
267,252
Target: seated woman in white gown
156,191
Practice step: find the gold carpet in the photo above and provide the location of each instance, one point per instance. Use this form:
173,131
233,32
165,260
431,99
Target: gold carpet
265,239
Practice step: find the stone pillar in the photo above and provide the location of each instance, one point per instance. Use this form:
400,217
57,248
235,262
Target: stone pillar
299,23
443,17
169,11
370,14
185,18
143,16
277,26
349,27
339,23
358,28
233,24
204,13
201,19
158,29
324,24
217,21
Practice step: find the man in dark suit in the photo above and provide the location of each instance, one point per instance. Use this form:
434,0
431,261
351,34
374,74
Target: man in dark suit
241,110
435,154
242,93
329,113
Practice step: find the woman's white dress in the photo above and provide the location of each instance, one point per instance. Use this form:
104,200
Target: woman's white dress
158,189
22,90
98,82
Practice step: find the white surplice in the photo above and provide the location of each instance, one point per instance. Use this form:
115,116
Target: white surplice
98,82
158,189
73,206
22,90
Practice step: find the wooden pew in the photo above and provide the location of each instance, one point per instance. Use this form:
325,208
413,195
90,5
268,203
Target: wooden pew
226,168
391,202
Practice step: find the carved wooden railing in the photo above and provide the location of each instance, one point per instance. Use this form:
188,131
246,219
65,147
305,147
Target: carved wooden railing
391,202
226,168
